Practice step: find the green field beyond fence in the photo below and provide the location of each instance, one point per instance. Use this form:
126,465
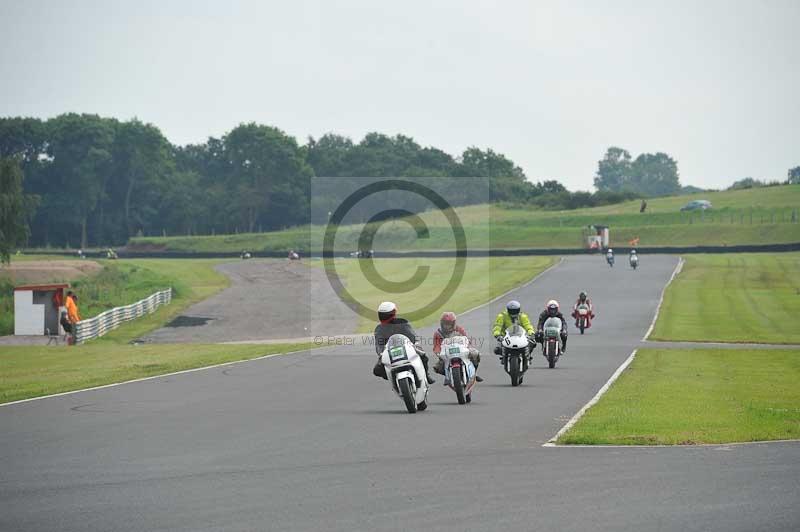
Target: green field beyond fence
756,216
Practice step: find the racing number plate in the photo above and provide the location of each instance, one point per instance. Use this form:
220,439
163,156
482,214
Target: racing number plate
454,350
397,353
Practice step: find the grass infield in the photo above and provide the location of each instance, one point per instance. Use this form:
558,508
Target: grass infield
733,298
693,396
754,216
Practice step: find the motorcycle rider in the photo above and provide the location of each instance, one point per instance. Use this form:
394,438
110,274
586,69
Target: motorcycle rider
633,257
610,255
552,311
389,325
506,318
447,329
583,299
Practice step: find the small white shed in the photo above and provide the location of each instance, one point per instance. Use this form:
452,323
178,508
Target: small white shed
37,308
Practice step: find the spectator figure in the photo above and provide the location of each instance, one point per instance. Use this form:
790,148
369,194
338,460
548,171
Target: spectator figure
73,316
643,206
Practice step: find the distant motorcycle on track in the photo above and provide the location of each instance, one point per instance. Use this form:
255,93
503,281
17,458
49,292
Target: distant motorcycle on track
583,317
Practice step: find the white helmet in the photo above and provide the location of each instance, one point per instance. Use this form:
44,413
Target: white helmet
610,250
387,311
552,307
633,252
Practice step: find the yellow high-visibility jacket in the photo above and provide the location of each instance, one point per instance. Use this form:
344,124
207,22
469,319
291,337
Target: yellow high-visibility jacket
503,322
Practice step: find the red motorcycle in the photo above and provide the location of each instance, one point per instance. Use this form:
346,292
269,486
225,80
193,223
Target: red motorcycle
583,316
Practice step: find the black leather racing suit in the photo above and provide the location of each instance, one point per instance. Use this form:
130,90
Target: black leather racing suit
543,318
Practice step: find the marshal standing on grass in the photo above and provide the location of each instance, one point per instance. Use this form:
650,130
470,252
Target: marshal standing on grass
73,316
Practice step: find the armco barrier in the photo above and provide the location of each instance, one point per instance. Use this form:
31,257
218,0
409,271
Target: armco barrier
111,319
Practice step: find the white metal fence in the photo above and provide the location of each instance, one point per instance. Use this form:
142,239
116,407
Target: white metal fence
111,319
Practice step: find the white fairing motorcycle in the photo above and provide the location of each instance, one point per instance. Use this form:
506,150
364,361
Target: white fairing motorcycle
551,348
405,371
459,371
515,353
634,261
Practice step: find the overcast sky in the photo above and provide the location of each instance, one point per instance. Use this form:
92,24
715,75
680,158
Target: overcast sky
551,85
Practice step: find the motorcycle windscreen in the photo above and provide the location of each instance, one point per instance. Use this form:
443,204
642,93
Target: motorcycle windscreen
552,327
397,345
516,330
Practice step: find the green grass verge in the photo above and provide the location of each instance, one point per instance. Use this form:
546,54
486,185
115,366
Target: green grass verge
755,216
122,282
692,396
484,279
31,371
751,297
43,370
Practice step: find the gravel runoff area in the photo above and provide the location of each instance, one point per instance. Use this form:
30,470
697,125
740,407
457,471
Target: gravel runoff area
269,299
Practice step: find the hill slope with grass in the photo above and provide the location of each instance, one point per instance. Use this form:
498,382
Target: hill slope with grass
766,215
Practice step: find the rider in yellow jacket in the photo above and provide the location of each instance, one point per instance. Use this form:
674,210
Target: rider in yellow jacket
506,318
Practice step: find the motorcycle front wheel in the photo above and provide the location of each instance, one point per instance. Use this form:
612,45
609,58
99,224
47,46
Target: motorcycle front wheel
513,371
407,392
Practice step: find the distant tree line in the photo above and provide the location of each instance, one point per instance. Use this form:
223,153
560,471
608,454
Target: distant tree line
100,181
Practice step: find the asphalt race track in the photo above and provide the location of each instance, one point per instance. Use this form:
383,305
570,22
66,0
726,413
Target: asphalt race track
263,302
313,441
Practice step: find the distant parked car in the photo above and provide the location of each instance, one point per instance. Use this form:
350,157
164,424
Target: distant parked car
695,205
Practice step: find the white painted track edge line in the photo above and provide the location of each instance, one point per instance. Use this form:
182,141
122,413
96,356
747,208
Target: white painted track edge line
551,442
665,446
675,272
142,379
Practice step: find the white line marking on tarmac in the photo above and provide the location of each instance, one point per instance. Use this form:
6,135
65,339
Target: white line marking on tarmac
552,441
202,368
665,446
675,272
